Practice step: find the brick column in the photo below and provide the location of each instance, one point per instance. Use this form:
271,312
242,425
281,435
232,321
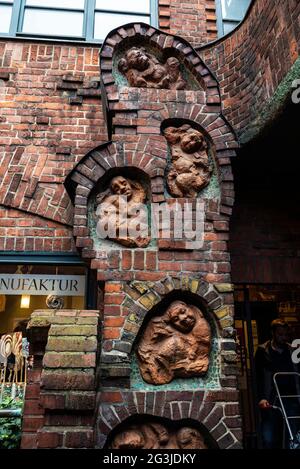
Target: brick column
60,397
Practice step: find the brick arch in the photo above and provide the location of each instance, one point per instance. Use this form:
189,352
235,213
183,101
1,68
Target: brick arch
195,406
214,124
130,34
149,155
221,136
183,419
141,297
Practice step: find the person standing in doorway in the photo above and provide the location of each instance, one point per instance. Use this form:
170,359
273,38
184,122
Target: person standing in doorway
275,356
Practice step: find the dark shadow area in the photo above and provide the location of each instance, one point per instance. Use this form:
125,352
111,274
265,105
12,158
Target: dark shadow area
265,225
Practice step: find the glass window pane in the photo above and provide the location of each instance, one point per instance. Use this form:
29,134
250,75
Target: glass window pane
234,9
75,4
105,22
137,6
229,26
53,23
5,17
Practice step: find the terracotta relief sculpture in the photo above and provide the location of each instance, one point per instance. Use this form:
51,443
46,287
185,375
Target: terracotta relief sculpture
143,70
175,345
190,171
156,436
121,211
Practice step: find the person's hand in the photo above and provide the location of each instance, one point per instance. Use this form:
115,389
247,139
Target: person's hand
264,404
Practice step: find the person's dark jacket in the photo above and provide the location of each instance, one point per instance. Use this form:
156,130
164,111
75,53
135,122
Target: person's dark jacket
268,362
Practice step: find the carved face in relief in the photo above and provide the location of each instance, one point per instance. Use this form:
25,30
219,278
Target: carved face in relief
174,344
121,186
190,438
181,316
153,435
192,141
144,70
137,58
190,171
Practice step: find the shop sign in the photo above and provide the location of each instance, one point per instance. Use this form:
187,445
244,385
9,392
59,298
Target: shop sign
63,285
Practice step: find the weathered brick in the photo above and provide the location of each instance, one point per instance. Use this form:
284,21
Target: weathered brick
69,360
68,380
72,344
79,438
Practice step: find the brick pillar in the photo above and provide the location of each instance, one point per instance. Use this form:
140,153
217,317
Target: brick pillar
195,20
140,282
60,398
33,414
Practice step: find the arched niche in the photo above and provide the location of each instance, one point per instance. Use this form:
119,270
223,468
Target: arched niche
166,60
159,344
150,432
106,192
192,169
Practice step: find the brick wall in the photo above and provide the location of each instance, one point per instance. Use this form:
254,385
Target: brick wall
21,231
265,225
50,118
211,20
252,62
52,129
61,390
51,110
195,20
221,419
135,281
189,20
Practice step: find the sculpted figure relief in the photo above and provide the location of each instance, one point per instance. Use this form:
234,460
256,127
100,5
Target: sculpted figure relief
119,211
190,171
156,436
175,345
143,70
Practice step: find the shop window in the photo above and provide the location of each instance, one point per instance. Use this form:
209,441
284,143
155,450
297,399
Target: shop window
229,14
23,289
84,20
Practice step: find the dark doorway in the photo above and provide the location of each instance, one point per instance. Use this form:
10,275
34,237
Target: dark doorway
265,246
253,317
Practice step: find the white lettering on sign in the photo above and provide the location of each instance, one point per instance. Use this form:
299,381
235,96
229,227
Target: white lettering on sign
65,285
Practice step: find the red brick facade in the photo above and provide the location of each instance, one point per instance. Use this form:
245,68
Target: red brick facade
194,20
60,394
54,150
252,62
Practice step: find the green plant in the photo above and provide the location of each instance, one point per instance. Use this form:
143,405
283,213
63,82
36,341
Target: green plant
10,428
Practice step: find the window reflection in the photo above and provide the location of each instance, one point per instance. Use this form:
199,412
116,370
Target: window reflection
51,23
105,22
5,18
136,6
230,13
74,4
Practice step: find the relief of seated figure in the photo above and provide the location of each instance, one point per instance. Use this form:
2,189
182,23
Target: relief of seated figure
175,345
121,211
153,435
143,70
190,170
